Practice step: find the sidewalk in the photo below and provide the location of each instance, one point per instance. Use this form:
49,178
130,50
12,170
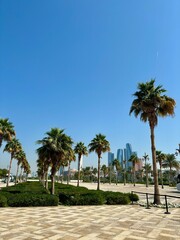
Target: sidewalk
104,222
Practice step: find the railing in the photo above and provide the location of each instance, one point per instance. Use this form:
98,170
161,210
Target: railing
147,199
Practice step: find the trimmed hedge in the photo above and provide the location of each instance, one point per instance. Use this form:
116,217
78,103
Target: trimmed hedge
3,201
32,200
89,197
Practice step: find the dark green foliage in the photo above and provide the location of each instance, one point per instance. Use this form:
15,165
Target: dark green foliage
30,187
29,199
3,201
116,198
90,197
133,197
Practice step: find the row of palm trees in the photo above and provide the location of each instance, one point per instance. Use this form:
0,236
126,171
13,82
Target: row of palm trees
57,150
14,147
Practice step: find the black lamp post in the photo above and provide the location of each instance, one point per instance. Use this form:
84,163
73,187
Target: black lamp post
177,150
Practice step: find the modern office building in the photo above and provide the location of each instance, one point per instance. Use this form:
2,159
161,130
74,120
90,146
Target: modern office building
110,158
128,152
120,156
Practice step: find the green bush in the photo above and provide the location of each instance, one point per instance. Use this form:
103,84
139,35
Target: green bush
3,201
116,198
133,197
81,198
29,199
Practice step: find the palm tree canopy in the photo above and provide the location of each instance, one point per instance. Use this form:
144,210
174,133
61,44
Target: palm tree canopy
116,163
80,149
6,130
99,145
171,162
150,102
160,157
13,147
134,159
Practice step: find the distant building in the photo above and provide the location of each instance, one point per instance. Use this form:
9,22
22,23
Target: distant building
120,156
110,158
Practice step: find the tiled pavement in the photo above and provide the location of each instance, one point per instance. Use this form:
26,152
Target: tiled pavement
89,223
92,222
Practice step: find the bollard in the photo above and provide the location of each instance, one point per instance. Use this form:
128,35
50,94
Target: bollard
166,205
147,207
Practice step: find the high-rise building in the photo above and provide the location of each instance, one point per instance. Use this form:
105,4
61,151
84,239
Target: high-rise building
120,156
110,158
128,155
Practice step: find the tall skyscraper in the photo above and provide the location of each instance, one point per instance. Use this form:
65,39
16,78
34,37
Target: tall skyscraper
110,158
120,156
128,155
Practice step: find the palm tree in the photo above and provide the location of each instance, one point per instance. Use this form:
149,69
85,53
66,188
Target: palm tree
57,144
99,145
80,149
160,157
117,165
104,169
147,169
146,157
124,171
20,157
150,103
6,130
12,147
70,157
171,162
134,159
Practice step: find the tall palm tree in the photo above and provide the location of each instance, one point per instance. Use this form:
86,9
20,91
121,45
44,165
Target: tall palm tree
80,149
6,130
150,103
57,144
20,157
99,145
160,157
171,162
12,147
145,158
117,165
104,169
134,159
148,170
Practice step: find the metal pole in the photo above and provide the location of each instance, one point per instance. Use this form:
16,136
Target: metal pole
166,205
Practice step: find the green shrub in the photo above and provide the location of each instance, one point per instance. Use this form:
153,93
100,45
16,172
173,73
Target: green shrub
3,201
28,199
133,197
81,198
116,198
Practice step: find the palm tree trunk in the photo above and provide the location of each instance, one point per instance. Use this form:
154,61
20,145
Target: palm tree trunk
170,175
79,159
110,174
52,184
124,176
98,183
9,172
116,177
146,177
155,172
17,173
69,171
46,183
134,177
161,177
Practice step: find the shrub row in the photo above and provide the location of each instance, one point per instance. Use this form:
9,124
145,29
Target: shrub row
82,196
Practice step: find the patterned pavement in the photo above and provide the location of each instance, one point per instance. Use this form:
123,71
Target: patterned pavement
91,222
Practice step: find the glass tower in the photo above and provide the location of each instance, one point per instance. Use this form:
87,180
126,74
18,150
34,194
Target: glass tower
120,156
110,158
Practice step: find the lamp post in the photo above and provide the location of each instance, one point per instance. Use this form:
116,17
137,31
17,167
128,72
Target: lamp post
177,150
146,157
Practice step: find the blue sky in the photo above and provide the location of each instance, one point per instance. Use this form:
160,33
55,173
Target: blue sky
75,65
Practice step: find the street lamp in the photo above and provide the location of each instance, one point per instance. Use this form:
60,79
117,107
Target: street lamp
146,157
177,150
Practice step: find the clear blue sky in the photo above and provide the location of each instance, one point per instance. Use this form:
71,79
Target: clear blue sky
75,65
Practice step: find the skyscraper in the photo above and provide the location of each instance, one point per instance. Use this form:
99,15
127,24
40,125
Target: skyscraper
120,156
110,158
128,155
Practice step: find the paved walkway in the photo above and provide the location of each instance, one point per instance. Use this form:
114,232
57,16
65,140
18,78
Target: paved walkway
89,222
